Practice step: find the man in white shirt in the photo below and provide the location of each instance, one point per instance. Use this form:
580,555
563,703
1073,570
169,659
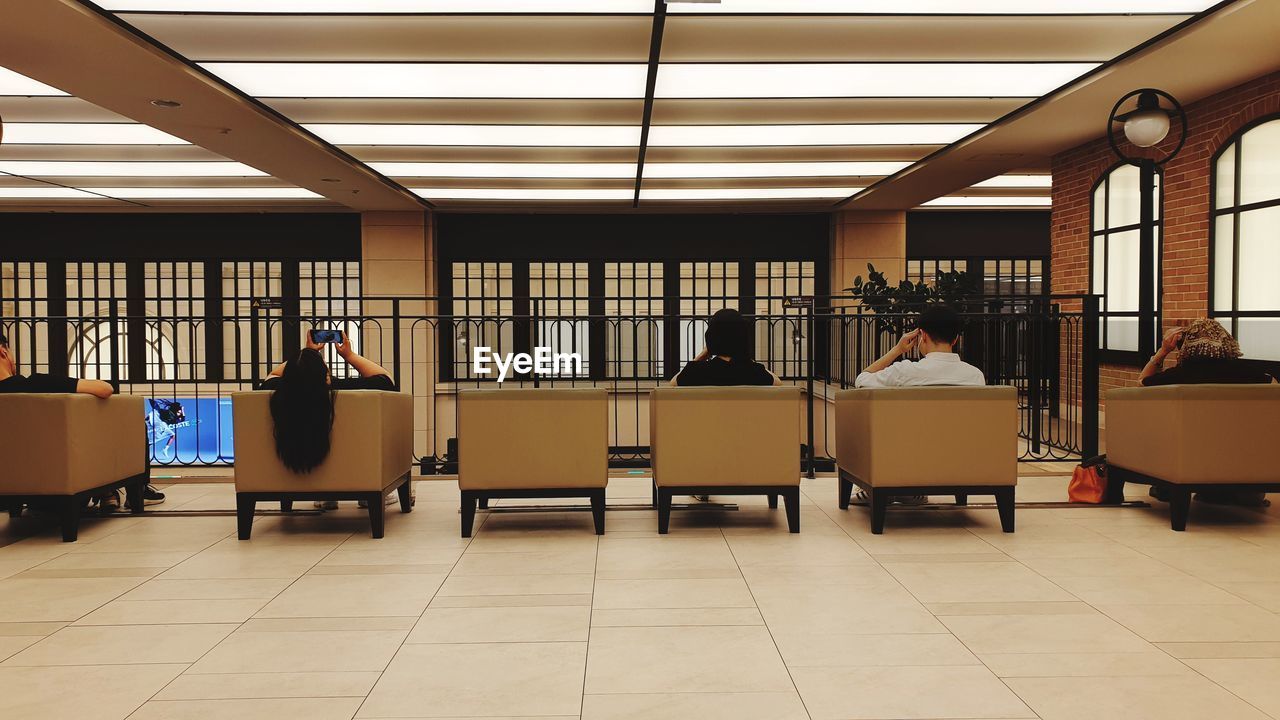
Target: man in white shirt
935,337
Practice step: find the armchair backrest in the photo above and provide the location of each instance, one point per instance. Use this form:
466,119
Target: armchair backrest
62,444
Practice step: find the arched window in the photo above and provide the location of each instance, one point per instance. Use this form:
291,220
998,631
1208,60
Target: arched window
1245,238
90,352
1114,256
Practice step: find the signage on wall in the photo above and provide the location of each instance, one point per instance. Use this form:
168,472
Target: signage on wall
798,301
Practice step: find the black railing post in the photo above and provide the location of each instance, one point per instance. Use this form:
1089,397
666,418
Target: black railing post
809,381
114,316
1089,377
1035,379
255,351
395,342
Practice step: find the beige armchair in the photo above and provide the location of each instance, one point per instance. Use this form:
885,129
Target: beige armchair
532,443
1189,438
371,455
726,441
957,441
69,448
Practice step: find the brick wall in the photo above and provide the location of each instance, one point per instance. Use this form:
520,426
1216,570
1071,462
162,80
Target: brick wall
1210,122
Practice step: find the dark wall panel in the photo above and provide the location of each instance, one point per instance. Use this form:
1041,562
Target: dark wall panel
179,236
1007,234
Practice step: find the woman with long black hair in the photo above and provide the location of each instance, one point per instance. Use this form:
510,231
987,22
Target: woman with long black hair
302,403
729,356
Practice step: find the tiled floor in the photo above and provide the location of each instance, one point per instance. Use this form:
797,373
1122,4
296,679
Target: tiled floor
1083,613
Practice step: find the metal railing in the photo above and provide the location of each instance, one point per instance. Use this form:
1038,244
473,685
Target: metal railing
187,367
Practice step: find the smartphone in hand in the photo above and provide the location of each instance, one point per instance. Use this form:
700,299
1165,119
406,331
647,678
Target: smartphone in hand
320,337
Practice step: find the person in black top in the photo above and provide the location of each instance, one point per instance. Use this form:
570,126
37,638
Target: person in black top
302,407
1206,354
727,357
12,382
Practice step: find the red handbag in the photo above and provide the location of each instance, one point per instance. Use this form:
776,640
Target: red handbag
1088,484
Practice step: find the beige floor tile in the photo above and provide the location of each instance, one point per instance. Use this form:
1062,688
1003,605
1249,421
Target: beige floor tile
673,593
11,645
122,645
793,550
549,599
338,624
672,617
975,582
1173,590
230,686
705,706
1082,664
1044,633
303,651
544,562
518,625
1144,698
518,585
665,557
934,542
219,589
484,679
1074,607
868,574
1197,623
1216,650
38,629
684,659
172,612
354,596
1256,681
445,557
328,708
906,692
1265,594
46,600
845,610
97,692
1057,568
87,560
249,562
838,650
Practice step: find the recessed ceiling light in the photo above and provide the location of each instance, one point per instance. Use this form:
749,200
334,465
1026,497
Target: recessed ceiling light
784,135
506,170
948,7
45,192
1017,181
203,193
166,104
434,80
69,168
480,135
822,80
366,7
525,193
86,134
745,193
991,201
771,169
12,83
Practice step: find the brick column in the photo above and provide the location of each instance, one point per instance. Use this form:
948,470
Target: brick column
398,261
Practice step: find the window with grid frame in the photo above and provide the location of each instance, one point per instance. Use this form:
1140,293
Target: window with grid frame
173,298
634,324
559,291
1114,255
245,283
94,289
705,288
483,305
329,295
24,293
781,344
927,271
1244,242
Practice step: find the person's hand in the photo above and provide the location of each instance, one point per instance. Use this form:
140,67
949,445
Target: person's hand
344,347
1171,340
312,344
907,342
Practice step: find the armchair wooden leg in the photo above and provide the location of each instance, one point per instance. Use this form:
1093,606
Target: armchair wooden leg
134,492
664,511
286,506
879,507
69,515
1004,504
469,501
245,506
1179,507
846,493
377,514
405,492
597,510
773,501
962,499
792,499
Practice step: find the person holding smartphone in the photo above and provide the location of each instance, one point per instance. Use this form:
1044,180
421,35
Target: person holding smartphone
302,399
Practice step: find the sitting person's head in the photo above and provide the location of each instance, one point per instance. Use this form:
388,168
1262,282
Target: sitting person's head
729,336
302,412
939,327
8,363
1206,339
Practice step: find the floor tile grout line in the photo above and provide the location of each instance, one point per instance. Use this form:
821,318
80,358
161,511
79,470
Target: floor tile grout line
781,658
591,613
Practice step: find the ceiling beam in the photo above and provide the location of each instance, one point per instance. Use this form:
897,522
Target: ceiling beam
1228,44
651,84
89,53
